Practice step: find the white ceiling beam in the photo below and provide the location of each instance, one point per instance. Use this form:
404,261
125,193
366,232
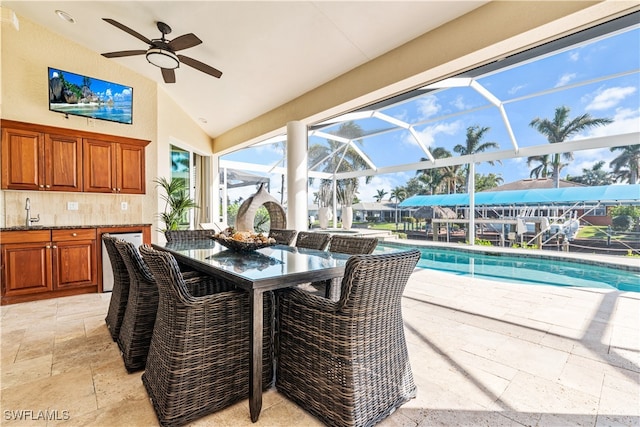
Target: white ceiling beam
538,150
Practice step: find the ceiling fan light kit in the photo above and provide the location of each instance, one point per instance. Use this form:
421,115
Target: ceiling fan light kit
162,52
163,58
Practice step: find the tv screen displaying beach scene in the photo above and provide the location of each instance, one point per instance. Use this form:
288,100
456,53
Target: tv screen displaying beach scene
79,95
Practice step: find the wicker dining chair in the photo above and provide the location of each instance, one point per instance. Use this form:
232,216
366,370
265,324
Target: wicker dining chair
120,292
140,314
281,236
346,361
351,245
199,360
312,240
186,235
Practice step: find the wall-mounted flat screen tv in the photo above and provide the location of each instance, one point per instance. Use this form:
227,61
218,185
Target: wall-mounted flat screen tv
79,95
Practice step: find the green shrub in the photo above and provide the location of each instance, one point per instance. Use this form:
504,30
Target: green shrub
621,222
409,219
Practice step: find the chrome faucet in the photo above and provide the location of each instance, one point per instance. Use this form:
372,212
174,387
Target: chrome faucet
27,207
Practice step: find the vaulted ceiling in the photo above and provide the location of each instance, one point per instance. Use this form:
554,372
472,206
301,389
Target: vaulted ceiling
269,52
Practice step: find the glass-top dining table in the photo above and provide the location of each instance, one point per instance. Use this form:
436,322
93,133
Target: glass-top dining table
256,272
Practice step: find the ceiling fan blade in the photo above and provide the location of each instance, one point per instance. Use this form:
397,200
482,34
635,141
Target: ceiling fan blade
184,42
128,30
168,75
122,53
207,69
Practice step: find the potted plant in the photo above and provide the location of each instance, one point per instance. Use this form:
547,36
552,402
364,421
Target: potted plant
324,196
177,203
346,193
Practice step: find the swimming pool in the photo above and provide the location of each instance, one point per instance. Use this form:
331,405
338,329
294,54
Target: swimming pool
522,269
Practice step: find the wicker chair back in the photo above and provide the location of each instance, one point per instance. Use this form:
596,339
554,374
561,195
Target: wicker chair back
281,236
120,291
346,362
186,235
352,245
312,240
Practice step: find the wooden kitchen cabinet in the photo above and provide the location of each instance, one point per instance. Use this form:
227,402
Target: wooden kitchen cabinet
33,160
112,167
74,258
40,158
39,264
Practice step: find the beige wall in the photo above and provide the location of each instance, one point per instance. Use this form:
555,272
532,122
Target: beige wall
26,53
488,33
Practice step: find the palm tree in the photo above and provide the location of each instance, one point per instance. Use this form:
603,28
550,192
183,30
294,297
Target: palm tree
561,128
380,195
543,170
629,158
398,193
434,177
485,182
595,175
473,145
335,157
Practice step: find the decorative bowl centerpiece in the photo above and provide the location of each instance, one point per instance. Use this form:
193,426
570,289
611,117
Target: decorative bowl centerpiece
242,241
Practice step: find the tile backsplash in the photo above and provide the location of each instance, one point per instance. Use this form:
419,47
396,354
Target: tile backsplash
93,209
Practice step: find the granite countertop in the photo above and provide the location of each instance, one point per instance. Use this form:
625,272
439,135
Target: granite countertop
65,227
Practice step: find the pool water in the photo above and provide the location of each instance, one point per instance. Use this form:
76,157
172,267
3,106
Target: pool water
523,270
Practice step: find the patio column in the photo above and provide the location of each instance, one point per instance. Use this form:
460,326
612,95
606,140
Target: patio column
472,204
297,183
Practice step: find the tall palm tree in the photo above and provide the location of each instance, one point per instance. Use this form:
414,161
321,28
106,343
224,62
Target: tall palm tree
380,195
474,145
561,128
544,169
596,175
398,193
336,158
434,177
629,158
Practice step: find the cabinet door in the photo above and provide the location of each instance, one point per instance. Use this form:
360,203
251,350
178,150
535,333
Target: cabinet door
22,160
26,268
99,166
63,156
130,176
74,264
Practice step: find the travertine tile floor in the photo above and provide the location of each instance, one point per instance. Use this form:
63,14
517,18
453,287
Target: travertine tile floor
482,353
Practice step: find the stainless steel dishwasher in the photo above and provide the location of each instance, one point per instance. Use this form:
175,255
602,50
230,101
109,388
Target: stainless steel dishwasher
107,271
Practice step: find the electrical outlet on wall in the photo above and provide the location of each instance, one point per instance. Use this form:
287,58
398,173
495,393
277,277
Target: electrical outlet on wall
72,206
124,206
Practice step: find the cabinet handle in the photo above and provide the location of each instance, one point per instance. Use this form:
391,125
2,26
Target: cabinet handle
47,247
41,186
47,186
113,189
54,247
118,190
74,234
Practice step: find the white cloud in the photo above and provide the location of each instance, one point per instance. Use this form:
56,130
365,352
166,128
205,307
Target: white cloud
428,135
428,107
565,78
610,97
625,120
460,104
516,89
574,56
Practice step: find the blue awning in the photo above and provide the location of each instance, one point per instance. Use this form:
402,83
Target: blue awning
607,194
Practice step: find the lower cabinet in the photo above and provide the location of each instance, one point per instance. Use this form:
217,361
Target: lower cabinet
43,264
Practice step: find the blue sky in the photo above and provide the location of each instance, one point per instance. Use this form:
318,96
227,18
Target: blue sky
573,78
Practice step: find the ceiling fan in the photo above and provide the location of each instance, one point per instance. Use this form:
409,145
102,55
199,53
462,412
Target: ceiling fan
162,52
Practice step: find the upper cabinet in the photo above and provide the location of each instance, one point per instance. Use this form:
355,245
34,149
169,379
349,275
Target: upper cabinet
113,167
36,157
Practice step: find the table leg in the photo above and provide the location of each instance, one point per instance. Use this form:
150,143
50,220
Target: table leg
255,380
